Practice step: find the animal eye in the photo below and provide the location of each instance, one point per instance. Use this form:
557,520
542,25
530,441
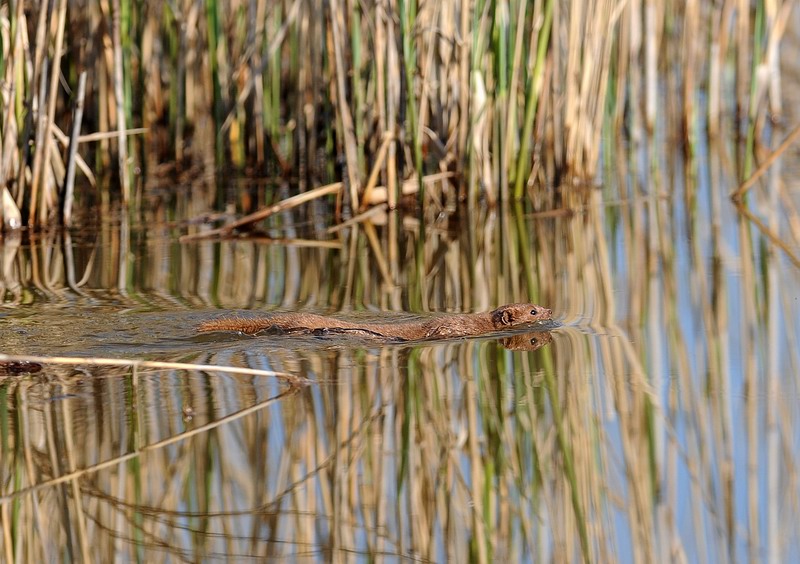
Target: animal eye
533,311
534,341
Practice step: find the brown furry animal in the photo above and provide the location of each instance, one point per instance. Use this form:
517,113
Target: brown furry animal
443,327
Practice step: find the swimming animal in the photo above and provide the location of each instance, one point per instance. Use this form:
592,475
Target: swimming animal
440,327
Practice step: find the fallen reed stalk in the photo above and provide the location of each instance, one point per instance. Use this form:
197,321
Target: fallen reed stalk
155,364
255,217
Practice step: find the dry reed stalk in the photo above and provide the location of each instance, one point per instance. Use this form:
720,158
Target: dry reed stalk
477,469
540,38
388,139
8,541
654,16
73,151
587,71
516,70
77,513
392,233
372,237
102,135
10,215
378,210
294,242
392,102
770,233
777,20
737,194
348,139
64,141
743,60
39,155
771,382
717,54
119,100
749,316
144,364
36,105
598,101
691,35
28,455
379,44
790,208
464,59
9,135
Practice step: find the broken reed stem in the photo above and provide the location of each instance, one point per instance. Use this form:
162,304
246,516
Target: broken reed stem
101,135
155,364
286,204
376,170
73,151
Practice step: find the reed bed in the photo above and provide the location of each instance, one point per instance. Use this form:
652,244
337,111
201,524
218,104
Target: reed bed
512,95
676,372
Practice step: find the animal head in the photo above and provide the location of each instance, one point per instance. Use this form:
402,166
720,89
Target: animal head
512,315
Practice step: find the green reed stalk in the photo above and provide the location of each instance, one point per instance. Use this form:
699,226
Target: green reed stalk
119,100
533,89
408,16
213,29
272,99
472,85
501,38
758,39
358,89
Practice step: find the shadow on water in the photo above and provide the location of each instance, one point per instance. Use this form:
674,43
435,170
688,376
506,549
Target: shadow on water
652,423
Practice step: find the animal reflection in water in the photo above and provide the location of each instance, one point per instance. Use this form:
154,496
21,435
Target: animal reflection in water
527,341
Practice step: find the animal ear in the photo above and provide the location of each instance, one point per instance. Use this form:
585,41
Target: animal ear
502,316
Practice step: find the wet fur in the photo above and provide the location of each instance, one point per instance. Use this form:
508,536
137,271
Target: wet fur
442,327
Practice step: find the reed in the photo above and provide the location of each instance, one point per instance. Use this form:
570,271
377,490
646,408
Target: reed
554,454
512,94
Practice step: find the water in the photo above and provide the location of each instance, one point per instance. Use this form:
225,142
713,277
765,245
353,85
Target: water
655,422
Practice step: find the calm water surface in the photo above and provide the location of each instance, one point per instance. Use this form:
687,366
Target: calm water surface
657,422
